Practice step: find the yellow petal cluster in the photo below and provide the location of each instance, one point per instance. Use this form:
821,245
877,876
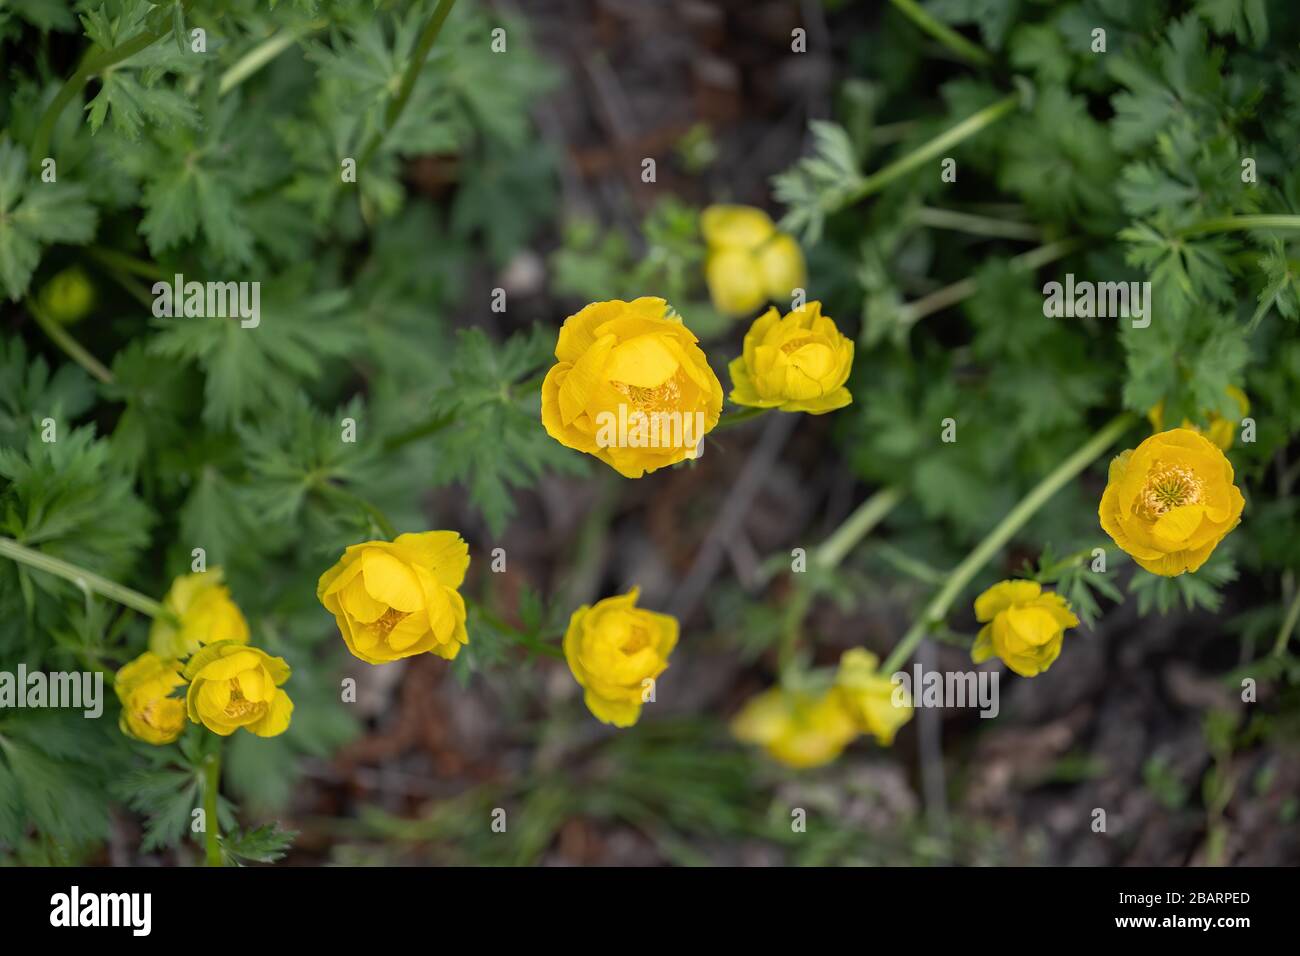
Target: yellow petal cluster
796,728
615,651
233,686
630,386
395,599
149,712
870,697
749,261
1023,625
796,363
201,612
1170,501
1222,431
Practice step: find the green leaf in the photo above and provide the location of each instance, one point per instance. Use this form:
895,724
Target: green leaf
34,214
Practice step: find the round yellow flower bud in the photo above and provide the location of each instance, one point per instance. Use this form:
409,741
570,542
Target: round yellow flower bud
797,364
144,687
869,696
749,260
1222,431
233,686
615,651
631,386
397,599
1023,625
1170,501
797,729
68,297
201,613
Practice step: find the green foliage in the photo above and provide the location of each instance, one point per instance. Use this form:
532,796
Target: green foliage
270,445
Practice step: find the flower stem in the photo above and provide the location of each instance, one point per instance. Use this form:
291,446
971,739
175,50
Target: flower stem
739,418
418,56
91,65
429,427
211,823
1238,223
1015,519
378,520
935,147
1288,625
264,53
86,580
977,225
954,41
69,345
950,295
857,526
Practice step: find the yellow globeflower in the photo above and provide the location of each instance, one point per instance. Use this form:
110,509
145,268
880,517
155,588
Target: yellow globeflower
869,696
233,686
616,650
395,599
630,386
203,612
1023,625
1222,431
798,729
1170,501
749,260
149,712
797,364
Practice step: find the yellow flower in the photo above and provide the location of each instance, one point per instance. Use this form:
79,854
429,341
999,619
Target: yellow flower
630,387
797,364
749,260
1170,501
204,613
1023,625
233,686
397,599
798,729
144,687
615,651
1222,431
869,696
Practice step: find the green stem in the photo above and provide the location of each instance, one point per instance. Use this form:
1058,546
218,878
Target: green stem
420,54
1238,223
211,823
1015,519
1288,625
91,65
430,427
378,519
977,225
86,580
949,37
857,526
963,289
264,53
935,147
739,418
69,345
124,263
